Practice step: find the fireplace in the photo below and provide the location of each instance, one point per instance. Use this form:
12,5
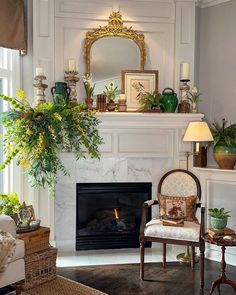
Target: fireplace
108,215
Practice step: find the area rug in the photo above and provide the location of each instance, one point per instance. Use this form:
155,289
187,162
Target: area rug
61,286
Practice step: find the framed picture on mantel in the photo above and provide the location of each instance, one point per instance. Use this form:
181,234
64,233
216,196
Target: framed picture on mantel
135,83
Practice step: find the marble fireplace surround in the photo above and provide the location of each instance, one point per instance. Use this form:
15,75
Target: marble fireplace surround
138,147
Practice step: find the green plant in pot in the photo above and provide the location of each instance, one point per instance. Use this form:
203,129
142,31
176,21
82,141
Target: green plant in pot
224,150
111,95
151,101
218,218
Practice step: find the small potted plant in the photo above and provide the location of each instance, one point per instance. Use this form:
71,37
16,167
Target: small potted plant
111,94
89,89
193,96
218,218
224,150
151,101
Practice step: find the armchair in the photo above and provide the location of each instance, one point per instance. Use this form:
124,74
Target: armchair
181,183
15,270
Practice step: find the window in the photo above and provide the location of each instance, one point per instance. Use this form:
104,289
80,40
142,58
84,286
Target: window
9,78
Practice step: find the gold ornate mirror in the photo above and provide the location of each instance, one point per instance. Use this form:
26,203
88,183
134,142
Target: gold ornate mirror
112,48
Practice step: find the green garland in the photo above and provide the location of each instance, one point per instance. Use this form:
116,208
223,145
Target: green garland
35,135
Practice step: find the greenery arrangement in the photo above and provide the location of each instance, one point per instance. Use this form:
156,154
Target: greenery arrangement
218,213
110,92
89,89
151,100
34,135
9,204
223,135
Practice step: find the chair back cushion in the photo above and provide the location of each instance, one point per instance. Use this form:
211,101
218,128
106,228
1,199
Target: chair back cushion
178,207
179,183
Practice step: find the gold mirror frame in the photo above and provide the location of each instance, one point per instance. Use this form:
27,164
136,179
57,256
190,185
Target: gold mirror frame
115,28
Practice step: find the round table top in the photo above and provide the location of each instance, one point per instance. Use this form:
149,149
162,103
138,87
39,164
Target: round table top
219,241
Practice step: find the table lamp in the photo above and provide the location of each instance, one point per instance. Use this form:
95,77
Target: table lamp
198,132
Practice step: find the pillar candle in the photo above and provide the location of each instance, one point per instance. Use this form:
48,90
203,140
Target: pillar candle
184,71
39,71
71,64
122,97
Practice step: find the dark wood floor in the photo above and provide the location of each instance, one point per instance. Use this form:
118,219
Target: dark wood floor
123,279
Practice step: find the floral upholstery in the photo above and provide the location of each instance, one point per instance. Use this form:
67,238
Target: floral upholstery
7,248
179,184
190,231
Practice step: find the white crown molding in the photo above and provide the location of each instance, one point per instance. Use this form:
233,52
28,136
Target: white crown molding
208,3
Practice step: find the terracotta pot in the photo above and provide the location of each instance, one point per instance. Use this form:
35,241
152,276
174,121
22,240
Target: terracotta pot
89,103
111,106
224,156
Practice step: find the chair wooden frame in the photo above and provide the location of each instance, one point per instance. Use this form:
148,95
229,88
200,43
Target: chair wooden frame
201,243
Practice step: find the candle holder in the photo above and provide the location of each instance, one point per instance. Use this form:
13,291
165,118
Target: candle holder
184,105
40,89
71,79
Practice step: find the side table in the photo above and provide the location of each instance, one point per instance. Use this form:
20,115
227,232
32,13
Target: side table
222,279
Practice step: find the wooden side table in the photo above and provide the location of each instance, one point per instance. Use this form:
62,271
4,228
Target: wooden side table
222,279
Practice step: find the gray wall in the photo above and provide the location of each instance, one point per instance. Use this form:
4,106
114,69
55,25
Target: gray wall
217,62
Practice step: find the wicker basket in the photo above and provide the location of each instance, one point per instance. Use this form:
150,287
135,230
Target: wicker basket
35,241
39,268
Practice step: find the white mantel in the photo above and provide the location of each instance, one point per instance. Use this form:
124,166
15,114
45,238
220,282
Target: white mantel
137,147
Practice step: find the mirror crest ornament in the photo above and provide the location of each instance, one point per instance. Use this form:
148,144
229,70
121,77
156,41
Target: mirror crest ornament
115,28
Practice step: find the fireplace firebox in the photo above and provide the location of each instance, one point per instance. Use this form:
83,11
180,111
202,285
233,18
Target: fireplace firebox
108,215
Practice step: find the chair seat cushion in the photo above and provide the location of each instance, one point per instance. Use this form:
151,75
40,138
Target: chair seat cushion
189,232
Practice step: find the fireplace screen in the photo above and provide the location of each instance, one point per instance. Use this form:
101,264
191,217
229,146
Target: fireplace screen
109,214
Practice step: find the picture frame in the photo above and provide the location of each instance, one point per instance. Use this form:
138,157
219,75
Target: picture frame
130,81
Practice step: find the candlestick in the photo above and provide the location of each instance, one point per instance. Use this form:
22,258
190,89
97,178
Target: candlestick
184,71
71,65
39,71
71,79
184,105
40,86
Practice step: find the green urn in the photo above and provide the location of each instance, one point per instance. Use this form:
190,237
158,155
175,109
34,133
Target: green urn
169,100
225,156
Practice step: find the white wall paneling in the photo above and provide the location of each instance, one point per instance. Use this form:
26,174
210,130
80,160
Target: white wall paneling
219,190
184,38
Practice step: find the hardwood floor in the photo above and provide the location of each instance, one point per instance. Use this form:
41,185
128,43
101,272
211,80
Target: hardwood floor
123,279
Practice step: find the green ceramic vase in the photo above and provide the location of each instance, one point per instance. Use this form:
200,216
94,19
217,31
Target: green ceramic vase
225,156
60,92
218,223
169,100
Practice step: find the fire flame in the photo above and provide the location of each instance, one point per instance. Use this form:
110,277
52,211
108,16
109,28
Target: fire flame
116,214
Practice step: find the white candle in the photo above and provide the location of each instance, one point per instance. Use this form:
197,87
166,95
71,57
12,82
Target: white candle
71,64
184,71
122,97
39,71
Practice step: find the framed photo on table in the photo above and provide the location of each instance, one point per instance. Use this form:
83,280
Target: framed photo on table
135,83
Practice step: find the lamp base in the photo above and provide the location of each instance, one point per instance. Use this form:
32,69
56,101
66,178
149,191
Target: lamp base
200,159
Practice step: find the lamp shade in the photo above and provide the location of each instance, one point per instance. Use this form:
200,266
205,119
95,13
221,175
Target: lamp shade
197,132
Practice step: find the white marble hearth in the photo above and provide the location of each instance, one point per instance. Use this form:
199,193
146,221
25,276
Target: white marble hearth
138,148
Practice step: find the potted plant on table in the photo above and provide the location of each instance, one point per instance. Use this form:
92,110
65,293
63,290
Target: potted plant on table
111,94
224,150
89,89
218,218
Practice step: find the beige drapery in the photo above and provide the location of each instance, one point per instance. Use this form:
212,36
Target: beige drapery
12,28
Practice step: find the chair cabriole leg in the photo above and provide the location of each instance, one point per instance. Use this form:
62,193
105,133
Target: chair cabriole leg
164,255
142,249
192,257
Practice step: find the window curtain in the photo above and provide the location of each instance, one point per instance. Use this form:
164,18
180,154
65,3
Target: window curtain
12,27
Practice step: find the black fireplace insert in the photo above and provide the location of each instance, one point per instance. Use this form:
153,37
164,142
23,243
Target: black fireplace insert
108,215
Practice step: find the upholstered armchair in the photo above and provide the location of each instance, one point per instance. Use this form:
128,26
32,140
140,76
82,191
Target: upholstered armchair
181,189
12,265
